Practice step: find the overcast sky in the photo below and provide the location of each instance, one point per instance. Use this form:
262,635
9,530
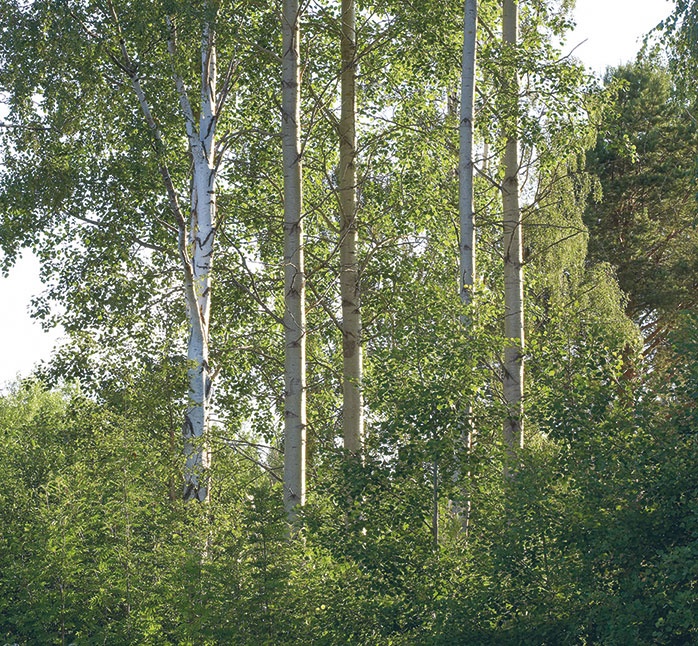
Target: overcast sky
611,30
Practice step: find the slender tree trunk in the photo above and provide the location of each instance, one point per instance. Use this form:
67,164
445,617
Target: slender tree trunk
352,412
513,253
435,504
465,166
294,271
198,258
466,208
196,233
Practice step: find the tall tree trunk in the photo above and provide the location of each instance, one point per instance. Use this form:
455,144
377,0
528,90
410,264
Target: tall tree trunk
465,166
200,245
294,271
352,411
195,239
513,251
466,206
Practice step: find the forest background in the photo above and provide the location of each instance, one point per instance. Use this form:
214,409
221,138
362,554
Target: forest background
369,456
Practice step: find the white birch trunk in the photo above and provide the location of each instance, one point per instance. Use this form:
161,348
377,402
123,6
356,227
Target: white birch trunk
466,209
294,271
466,205
195,239
200,246
513,257
465,166
352,410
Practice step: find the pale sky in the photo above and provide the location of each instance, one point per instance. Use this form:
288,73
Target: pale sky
612,29
24,343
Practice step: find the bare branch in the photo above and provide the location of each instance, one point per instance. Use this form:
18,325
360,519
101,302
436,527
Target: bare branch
185,104
227,85
18,126
233,444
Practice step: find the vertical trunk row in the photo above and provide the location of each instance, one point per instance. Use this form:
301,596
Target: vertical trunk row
352,412
513,251
294,271
465,166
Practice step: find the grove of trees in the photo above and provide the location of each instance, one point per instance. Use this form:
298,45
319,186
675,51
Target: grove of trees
381,326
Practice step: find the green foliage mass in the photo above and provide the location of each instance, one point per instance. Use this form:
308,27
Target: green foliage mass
595,542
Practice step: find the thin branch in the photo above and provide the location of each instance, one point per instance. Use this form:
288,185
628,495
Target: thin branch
487,177
265,467
325,305
227,85
185,104
253,293
17,126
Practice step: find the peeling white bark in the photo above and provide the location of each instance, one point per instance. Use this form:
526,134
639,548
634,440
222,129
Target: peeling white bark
294,270
352,410
196,234
198,259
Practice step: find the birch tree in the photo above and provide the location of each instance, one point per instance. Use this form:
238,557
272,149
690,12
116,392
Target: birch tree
513,373
123,63
196,234
352,373
465,166
466,206
294,269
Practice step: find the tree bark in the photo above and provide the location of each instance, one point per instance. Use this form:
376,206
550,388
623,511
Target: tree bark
465,166
200,247
352,411
513,253
294,271
466,208
195,240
